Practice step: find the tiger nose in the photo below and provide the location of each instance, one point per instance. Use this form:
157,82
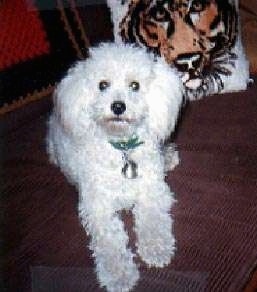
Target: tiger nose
118,107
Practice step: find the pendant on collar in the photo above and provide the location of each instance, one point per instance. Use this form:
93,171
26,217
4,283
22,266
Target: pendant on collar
129,170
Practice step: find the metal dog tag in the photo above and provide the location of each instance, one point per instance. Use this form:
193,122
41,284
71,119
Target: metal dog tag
129,169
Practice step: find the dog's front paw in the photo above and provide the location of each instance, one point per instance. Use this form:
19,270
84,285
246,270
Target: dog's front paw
118,275
171,157
156,248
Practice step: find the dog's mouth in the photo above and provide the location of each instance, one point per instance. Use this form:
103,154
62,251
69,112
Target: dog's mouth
118,120
117,125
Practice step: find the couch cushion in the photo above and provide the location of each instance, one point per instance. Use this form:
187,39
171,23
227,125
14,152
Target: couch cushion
200,38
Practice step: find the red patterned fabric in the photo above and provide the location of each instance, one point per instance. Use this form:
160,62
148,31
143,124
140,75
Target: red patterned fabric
37,46
22,35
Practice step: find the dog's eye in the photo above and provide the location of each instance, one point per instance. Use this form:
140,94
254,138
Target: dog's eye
103,85
134,85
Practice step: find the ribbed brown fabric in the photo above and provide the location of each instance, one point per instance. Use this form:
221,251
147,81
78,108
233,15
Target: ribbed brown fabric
44,246
46,279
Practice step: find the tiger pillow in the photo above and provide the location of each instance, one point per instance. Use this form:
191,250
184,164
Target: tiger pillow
201,38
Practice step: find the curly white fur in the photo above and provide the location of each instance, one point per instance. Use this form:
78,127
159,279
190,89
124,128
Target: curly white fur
80,129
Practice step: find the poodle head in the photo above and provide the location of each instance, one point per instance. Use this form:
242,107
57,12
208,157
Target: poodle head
119,89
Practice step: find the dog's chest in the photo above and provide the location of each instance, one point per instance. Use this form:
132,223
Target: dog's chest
105,168
125,167
120,165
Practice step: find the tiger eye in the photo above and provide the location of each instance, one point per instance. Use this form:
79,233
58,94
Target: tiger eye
134,85
198,6
103,85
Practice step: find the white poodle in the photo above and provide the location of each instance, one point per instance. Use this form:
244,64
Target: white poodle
111,114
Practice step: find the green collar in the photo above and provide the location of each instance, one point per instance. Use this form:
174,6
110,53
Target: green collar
125,145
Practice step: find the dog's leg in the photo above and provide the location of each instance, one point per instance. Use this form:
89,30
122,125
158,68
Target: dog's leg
114,261
50,148
153,224
171,157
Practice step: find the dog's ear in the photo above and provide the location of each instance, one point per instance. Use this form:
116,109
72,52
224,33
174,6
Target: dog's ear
164,99
71,98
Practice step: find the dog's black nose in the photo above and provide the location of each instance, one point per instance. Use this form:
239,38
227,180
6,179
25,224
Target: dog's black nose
118,107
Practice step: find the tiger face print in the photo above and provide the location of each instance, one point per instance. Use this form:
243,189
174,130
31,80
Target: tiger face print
196,36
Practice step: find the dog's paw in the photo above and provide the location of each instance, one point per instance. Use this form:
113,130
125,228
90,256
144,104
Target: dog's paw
171,157
118,275
156,249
